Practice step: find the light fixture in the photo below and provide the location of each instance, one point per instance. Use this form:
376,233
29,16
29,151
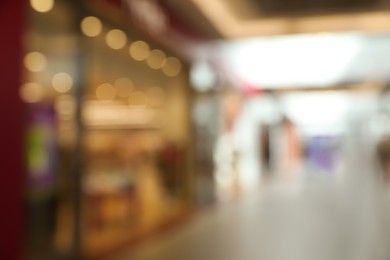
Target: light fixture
32,92
202,76
62,82
116,39
139,50
172,67
42,6
156,59
91,26
35,61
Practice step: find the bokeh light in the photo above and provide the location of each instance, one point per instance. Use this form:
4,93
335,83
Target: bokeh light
91,26
105,92
62,82
172,67
139,50
156,59
35,61
116,39
32,92
42,6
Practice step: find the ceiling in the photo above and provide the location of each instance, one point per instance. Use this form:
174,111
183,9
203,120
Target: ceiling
253,9
248,18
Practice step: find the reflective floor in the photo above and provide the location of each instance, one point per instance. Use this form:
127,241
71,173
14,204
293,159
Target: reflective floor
319,221
224,233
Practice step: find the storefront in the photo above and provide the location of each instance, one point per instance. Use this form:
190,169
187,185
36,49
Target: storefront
108,133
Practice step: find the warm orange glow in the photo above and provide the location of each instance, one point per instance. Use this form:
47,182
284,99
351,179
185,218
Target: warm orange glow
139,50
137,99
42,6
156,96
62,82
123,87
35,61
32,92
172,67
156,59
105,92
91,26
116,39
66,106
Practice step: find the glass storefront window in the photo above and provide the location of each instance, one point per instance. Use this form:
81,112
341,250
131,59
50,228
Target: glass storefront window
107,137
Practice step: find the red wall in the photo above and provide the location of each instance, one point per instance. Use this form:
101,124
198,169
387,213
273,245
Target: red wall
11,180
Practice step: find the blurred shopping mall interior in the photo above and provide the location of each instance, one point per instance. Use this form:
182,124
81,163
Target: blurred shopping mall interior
156,129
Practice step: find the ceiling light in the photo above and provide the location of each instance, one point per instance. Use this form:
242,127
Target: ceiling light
116,39
156,59
139,50
42,6
91,26
62,82
35,61
172,67
32,92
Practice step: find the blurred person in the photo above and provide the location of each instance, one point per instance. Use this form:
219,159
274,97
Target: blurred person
290,153
265,149
383,149
384,159
226,154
